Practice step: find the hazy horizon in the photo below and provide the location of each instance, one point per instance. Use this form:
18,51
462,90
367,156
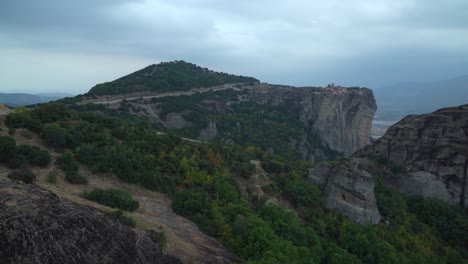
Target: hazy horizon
68,46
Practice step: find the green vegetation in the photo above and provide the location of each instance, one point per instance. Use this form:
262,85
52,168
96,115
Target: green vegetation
23,174
20,156
7,148
167,77
202,181
128,221
51,177
115,198
33,155
69,165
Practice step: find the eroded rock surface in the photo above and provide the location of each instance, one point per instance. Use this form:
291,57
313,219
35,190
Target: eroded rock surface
430,153
38,227
347,189
342,117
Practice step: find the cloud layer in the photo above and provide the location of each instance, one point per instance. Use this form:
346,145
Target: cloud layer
71,45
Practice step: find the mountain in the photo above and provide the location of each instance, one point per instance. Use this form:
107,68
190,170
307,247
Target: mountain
21,99
311,123
400,100
167,76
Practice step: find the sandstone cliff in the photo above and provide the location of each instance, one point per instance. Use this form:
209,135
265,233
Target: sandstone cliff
38,227
342,117
347,189
428,154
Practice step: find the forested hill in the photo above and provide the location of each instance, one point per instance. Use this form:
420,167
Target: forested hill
168,76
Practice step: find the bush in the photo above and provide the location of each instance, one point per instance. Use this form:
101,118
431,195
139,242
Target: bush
128,221
7,148
382,160
34,155
115,198
24,175
51,177
74,177
68,162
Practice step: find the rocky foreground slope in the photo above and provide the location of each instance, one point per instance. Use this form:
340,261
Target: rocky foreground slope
428,154
38,227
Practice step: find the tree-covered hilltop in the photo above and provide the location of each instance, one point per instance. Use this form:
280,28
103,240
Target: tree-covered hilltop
166,77
284,223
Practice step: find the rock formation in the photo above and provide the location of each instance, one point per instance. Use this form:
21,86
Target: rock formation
429,154
38,227
347,189
342,117
209,133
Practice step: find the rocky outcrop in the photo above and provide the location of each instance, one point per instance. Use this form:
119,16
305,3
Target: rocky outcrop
342,117
429,153
209,133
38,227
176,121
348,190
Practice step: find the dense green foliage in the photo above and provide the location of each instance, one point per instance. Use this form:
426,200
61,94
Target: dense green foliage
18,156
33,155
286,225
115,198
167,77
448,221
7,148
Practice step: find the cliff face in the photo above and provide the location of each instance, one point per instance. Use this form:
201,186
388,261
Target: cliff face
342,117
347,189
431,151
37,227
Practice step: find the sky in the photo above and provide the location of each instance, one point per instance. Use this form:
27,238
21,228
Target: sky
68,46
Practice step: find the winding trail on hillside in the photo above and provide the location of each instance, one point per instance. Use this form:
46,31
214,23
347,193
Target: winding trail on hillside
119,98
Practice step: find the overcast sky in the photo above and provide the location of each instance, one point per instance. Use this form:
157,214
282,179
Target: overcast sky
70,45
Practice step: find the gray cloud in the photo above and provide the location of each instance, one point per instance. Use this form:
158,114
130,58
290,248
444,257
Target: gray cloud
363,42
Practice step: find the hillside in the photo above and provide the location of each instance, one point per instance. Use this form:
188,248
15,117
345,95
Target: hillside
167,76
259,206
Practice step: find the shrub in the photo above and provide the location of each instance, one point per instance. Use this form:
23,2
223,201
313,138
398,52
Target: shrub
115,198
34,155
51,177
74,177
126,220
68,162
7,148
382,160
24,175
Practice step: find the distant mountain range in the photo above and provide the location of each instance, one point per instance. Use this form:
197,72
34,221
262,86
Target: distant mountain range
21,99
399,100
